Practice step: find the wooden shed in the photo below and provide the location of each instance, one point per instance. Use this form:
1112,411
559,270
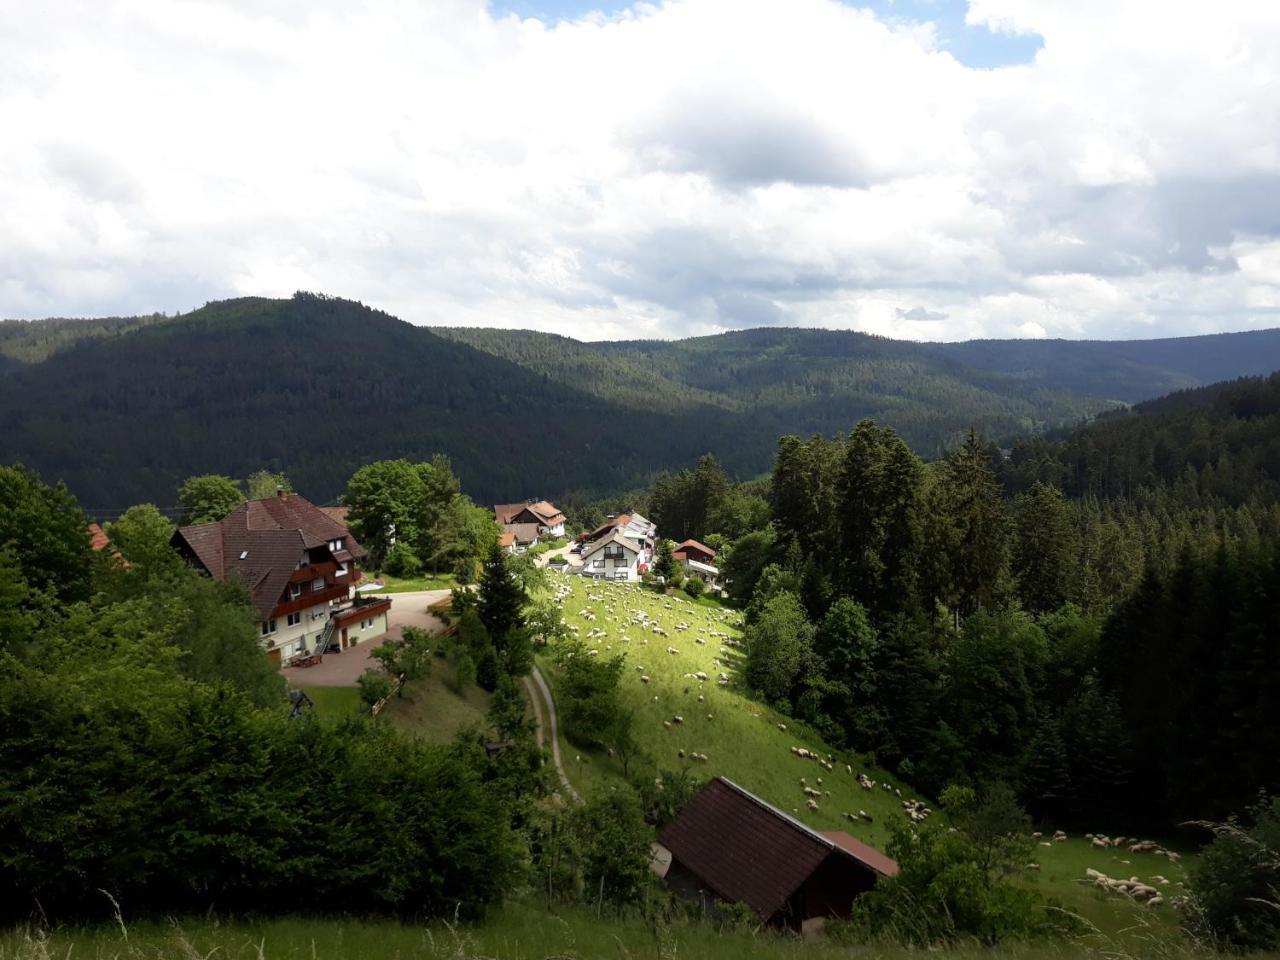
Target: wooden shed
729,846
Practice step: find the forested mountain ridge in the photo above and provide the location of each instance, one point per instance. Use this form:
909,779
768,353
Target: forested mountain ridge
1214,444
1128,370
31,341
124,408
318,387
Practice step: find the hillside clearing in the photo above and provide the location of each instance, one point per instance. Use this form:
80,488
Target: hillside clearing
746,741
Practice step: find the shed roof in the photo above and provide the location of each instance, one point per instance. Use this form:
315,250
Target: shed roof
746,850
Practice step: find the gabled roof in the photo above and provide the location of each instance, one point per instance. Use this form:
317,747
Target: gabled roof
506,539
747,851
696,546
522,532
98,537
260,542
617,536
545,512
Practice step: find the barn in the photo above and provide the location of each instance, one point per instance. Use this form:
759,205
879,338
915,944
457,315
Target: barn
729,846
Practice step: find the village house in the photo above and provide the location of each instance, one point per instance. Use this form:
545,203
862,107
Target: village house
698,560
639,531
518,537
729,846
300,566
613,557
545,515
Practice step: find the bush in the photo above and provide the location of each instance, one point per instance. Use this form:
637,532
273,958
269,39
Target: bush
374,685
1235,883
402,562
956,885
694,587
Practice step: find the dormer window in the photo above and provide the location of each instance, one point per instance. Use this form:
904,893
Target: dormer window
295,590
336,545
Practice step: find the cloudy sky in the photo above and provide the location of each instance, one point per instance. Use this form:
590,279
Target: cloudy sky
936,169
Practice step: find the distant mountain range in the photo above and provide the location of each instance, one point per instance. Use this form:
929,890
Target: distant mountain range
123,409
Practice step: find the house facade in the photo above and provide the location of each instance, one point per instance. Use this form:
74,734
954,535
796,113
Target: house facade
300,566
698,560
615,557
518,537
545,515
640,531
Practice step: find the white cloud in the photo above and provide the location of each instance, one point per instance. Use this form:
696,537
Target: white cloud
679,168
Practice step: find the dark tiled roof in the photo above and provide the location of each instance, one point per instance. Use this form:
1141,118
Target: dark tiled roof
523,532
336,514
746,850
261,542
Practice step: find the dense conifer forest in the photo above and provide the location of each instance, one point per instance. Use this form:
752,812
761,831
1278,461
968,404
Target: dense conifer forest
124,409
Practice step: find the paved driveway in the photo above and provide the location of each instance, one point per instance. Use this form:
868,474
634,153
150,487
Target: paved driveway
342,669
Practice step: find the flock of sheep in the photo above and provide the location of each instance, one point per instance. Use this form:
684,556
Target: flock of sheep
614,603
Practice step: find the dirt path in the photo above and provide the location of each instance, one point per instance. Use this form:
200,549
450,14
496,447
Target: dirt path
540,696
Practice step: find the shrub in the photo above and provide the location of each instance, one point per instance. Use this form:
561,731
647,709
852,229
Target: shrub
374,685
1235,883
694,587
402,562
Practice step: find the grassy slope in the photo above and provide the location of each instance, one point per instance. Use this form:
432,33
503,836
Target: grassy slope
744,743
430,709
334,701
520,931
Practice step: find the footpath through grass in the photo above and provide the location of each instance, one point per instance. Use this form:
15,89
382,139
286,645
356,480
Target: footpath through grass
746,742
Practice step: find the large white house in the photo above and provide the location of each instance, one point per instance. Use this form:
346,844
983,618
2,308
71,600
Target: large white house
300,566
613,557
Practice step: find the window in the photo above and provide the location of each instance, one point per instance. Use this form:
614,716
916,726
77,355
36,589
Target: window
317,584
342,569
295,590
336,545
620,562
619,574
294,619
268,627
597,563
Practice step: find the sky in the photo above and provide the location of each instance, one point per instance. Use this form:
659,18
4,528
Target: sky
923,169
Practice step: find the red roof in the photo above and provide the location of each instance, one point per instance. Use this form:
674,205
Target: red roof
881,863
539,511
98,537
747,851
696,546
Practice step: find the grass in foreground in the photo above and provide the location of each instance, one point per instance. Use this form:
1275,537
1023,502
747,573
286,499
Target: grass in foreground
519,931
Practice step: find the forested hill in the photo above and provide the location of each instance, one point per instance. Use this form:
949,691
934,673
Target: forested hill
124,408
1215,444
317,387
1128,370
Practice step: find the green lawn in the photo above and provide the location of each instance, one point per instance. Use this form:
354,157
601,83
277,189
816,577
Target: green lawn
390,584
334,701
744,741
431,710
518,931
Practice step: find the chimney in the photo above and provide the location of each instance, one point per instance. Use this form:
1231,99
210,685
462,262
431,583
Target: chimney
280,491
